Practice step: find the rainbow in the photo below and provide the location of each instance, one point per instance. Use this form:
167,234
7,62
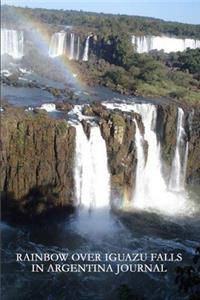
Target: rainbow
41,36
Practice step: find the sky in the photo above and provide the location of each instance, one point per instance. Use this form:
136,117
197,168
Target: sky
170,10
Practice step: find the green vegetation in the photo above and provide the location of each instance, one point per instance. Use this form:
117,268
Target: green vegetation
62,126
175,75
20,134
113,61
118,120
102,23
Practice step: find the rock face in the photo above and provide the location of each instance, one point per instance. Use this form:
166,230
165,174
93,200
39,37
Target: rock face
37,162
166,133
118,130
193,166
37,159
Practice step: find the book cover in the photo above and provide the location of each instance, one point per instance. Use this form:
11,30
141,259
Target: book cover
100,150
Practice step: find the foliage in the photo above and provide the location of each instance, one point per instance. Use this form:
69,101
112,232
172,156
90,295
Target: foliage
113,61
187,61
154,74
104,23
62,126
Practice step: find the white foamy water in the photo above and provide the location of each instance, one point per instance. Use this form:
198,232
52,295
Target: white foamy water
86,49
12,43
179,164
6,73
92,178
168,44
78,49
49,107
25,71
72,40
140,162
151,190
65,43
57,44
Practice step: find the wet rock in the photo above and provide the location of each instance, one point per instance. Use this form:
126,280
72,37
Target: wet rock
166,130
64,106
86,127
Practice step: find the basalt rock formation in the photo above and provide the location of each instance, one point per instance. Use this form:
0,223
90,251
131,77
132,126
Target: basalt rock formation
118,130
37,157
193,166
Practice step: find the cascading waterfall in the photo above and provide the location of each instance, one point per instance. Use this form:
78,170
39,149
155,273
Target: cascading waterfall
72,40
92,179
150,185
179,164
86,49
60,45
151,190
78,49
57,44
168,44
12,43
140,162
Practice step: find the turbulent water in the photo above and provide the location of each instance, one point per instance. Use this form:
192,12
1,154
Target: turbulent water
135,233
12,43
168,44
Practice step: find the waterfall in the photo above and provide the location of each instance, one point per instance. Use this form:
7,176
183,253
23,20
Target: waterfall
78,49
151,189
12,43
140,162
179,164
92,179
168,44
57,44
86,49
150,184
72,38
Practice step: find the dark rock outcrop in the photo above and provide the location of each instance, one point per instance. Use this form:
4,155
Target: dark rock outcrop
37,159
193,165
118,130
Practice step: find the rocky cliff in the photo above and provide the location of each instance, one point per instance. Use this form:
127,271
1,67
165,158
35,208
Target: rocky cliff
37,159
38,153
193,166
